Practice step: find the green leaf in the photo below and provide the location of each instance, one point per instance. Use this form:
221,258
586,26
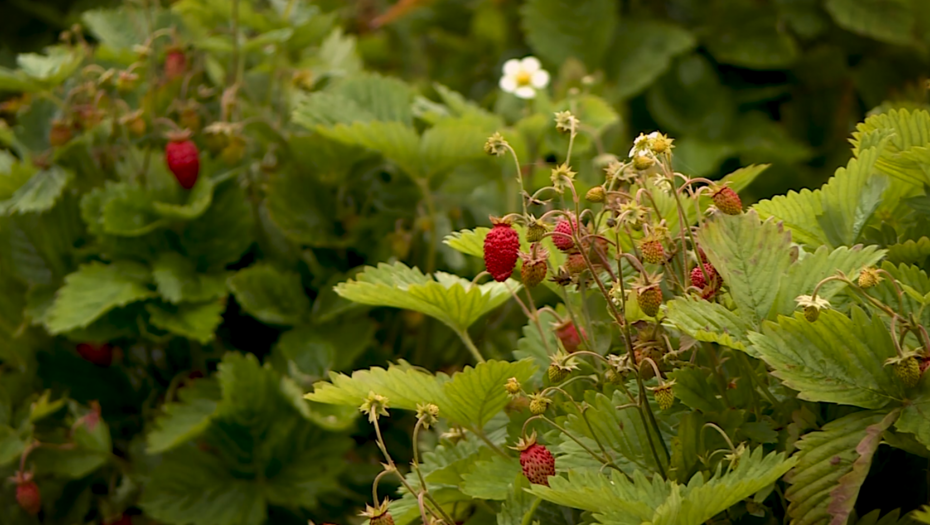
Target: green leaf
798,212
907,151
626,501
195,488
476,394
750,256
386,98
403,385
826,457
128,212
116,28
94,290
395,141
909,251
450,143
178,281
185,419
302,207
52,68
753,41
455,301
915,416
836,359
492,479
518,505
533,346
39,193
710,322
270,295
316,350
695,388
887,20
642,51
559,29
187,205
327,109
221,235
197,321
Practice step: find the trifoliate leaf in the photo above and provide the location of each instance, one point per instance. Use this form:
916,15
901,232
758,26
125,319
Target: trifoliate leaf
455,301
750,256
270,295
197,321
178,281
836,359
39,193
94,290
185,419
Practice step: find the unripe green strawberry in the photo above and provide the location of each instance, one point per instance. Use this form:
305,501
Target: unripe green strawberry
908,371
575,264
557,374
539,404
535,231
728,201
501,249
533,273
537,462
595,194
811,313
653,251
664,396
379,514
869,277
612,377
512,386
649,299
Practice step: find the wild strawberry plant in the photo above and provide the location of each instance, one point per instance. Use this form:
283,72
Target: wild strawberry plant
685,359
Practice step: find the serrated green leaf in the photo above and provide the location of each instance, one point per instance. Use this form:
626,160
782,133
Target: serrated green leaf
303,208
559,29
887,20
386,98
127,211
798,211
695,388
629,502
185,419
906,153
328,109
94,290
750,256
270,295
449,143
316,350
197,321
221,235
189,204
518,505
395,141
177,280
710,322
909,251
825,456
492,479
39,193
476,394
404,386
642,51
915,416
836,359
455,301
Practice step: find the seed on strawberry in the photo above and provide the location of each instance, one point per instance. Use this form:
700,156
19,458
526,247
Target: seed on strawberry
535,231
175,63
708,281
379,514
98,354
664,396
562,234
568,335
501,249
537,462
727,201
869,277
908,371
183,159
27,493
649,299
653,251
575,264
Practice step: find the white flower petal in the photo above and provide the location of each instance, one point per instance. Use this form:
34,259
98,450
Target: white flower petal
525,92
653,135
508,84
512,67
530,64
540,79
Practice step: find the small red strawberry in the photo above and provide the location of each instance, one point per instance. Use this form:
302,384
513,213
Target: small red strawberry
183,159
537,462
709,286
175,63
568,335
649,298
727,201
100,355
379,514
575,264
27,493
653,251
562,234
501,249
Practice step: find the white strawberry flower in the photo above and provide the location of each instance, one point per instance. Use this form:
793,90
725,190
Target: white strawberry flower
524,77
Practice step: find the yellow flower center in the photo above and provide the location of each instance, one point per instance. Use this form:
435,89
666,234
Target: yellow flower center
524,78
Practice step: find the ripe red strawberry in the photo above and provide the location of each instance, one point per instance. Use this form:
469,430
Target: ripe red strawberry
27,494
575,264
175,63
562,234
728,201
649,298
100,355
537,462
710,286
379,514
183,159
568,335
653,251
501,249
